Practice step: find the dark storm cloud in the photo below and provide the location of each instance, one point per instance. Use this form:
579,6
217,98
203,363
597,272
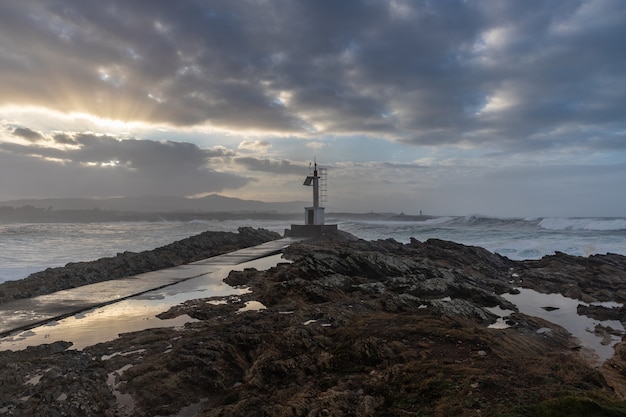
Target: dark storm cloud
104,166
511,75
219,152
138,154
271,166
64,139
27,134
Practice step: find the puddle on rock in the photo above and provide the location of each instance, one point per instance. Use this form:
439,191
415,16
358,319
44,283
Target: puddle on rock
125,402
502,317
252,306
561,310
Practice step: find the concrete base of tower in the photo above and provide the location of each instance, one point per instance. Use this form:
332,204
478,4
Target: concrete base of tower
313,216
309,230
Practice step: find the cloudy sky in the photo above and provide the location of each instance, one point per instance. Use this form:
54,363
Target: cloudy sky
452,107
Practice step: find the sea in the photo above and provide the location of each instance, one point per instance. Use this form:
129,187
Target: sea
26,248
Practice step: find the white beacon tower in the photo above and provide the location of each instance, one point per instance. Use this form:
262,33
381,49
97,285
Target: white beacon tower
314,215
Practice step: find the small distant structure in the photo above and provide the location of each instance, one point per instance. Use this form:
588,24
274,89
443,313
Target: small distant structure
314,215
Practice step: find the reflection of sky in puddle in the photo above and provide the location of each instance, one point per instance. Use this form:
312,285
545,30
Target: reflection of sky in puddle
502,315
531,303
138,313
252,306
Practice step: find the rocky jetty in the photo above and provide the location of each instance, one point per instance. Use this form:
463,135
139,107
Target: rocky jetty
191,249
346,328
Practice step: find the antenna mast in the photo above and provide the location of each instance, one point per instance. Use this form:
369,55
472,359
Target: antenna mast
316,186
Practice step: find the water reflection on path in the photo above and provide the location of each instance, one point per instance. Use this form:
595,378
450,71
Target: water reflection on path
138,313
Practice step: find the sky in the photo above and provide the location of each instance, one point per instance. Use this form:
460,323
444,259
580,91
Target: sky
448,107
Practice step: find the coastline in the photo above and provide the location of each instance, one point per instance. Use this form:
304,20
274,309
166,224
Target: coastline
350,326
194,248
34,247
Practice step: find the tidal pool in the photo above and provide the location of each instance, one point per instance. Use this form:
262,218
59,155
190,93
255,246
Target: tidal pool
561,310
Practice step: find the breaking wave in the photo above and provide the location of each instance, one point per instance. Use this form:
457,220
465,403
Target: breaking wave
560,223
545,223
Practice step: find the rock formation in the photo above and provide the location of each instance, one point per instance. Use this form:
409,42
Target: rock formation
348,328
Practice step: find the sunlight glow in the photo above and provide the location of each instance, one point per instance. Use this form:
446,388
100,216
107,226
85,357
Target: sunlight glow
112,75
57,160
284,97
500,101
112,163
496,38
48,120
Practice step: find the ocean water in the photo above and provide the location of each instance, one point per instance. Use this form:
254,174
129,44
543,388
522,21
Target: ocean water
28,248
516,238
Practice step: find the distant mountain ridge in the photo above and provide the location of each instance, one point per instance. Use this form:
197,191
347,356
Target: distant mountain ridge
156,204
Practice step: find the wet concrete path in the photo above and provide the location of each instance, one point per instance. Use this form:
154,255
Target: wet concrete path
28,313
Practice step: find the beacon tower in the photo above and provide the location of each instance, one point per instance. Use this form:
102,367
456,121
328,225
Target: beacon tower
314,215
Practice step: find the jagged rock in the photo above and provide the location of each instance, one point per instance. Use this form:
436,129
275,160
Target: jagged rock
593,278
600,312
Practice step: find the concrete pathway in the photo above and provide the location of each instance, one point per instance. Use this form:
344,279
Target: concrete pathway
28,313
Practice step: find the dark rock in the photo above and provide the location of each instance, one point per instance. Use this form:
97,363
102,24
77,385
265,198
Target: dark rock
602,313
351,328
593,278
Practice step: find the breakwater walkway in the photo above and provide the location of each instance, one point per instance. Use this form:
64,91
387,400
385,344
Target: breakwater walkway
28,313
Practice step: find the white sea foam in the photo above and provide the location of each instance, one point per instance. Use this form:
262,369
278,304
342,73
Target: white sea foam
437,220
558,223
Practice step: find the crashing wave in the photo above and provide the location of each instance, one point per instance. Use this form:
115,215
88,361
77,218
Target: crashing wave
564,223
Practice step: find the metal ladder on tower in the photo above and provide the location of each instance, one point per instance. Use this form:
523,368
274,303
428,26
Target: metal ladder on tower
323,185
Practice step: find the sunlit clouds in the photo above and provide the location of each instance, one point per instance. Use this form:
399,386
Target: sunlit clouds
455,107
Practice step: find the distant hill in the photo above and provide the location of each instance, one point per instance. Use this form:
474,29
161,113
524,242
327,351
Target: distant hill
160,204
